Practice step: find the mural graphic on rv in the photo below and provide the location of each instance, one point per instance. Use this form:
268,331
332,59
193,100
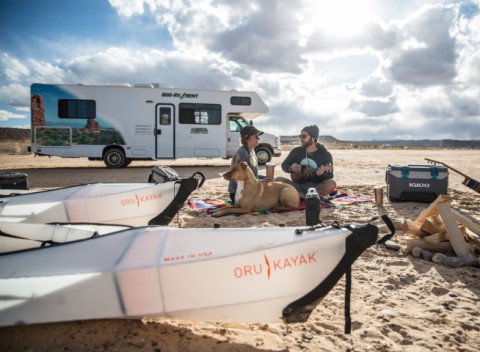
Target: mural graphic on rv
58,120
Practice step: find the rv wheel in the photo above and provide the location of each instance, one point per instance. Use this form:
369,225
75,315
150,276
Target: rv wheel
114,158
264,155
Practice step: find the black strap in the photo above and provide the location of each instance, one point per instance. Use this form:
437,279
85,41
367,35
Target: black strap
390,226
348,290
348,272
187,186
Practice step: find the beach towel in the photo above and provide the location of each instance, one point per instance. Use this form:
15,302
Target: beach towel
339,199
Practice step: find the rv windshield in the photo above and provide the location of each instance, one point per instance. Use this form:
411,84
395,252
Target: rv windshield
237,123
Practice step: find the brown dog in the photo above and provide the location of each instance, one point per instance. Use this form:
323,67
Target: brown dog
253,195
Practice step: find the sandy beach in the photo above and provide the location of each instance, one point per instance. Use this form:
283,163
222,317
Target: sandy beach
399,303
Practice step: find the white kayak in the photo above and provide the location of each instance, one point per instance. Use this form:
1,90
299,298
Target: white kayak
14,192
17,236
132,204
243,275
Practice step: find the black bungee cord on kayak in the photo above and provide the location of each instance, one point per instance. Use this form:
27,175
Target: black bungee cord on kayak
348,270
187,186
42,243
390,226
365,236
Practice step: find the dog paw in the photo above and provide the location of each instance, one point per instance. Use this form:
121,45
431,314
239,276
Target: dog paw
215,213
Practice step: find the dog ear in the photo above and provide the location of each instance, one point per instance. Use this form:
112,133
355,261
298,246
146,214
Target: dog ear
237,159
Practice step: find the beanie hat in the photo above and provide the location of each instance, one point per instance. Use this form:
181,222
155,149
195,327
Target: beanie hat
312,130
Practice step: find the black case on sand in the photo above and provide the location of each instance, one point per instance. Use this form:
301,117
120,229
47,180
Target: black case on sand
13,180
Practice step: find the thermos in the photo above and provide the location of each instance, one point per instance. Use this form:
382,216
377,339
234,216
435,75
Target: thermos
312,207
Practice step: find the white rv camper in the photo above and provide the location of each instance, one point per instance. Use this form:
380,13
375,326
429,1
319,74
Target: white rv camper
122,123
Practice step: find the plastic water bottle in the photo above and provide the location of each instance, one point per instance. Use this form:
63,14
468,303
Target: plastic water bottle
312,208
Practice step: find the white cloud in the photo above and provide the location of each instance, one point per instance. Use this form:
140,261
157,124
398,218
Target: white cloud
375,107
375,86
7,115
432,60
13,69
448,103
129,8
152,65
468,65
42,71
21,75
16,95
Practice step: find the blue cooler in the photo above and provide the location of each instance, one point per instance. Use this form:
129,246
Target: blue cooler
416,183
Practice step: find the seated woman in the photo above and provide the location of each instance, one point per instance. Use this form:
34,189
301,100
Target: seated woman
249,137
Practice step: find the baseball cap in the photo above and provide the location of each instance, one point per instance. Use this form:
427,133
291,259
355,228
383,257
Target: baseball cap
250,130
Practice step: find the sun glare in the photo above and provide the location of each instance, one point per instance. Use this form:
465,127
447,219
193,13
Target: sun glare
340,16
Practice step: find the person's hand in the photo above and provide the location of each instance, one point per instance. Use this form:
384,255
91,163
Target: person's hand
324,168
295,167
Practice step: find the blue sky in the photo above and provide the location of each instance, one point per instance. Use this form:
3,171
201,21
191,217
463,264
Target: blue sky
360,70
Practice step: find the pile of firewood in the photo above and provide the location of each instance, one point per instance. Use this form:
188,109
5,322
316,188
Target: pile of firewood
443,229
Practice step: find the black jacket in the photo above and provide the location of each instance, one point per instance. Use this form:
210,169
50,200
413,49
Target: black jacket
316,159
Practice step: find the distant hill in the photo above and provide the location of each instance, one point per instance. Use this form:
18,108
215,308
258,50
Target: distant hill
14,134
14,140
426,143
421,143
321,139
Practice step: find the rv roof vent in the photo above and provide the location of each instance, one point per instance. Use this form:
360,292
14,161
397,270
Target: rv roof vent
143,85
162,85
118,84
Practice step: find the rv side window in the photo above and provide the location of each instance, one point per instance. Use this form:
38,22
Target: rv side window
165,116
241,101
200,114
76,109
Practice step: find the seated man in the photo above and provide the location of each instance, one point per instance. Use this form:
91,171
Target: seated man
310,165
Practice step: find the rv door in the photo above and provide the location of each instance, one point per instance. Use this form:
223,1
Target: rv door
165,131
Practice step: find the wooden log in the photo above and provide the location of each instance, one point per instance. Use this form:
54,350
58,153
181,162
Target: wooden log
467,220
442,236
432,225
473,238
432,208
413,228
454,234
436,237
433,247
